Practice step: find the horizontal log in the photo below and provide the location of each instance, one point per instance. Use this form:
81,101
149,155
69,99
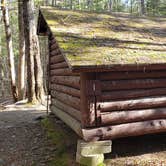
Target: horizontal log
66,108
120,67
55,52
131,75
72,81
125,130
67,99
65,89
50,35
119,117
69,120
56,59
133,84
62,72
132,94
133,104
54,46
52,38
59,65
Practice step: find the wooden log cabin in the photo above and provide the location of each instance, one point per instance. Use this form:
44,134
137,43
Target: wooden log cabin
107,73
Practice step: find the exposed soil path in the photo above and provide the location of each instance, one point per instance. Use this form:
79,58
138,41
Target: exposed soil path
22,138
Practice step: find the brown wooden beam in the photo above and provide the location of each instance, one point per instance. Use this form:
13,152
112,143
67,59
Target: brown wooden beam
119,67
87,100
65,89
62,72
66,108
72,81
55,52
131,75
133,84
56,59
125,130
54,46
67,99
142,103
60,65
131,94
119,117
69,120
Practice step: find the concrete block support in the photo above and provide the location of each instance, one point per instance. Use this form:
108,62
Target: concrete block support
92,153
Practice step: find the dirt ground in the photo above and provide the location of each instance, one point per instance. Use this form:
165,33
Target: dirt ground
26,139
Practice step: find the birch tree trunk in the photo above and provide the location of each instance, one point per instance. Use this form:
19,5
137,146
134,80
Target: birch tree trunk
9,49
21,65
34,67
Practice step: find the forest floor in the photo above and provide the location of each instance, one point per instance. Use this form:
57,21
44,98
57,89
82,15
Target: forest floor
28,137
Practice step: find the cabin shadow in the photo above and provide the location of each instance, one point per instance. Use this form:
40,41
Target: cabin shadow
135,146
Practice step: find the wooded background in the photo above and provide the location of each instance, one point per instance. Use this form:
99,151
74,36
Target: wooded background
150,8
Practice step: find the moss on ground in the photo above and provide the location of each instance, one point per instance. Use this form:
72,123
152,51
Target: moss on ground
63,140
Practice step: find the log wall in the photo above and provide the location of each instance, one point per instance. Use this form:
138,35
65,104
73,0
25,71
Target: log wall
133,96
128,104
64,87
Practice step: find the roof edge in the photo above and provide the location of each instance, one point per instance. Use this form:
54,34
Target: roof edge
119,67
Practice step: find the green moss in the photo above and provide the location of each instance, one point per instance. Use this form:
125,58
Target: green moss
101,164
57,137
99,39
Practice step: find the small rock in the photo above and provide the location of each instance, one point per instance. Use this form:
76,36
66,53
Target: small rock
13,136
39,118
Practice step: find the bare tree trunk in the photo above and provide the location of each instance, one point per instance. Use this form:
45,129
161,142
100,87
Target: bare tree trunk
71,4
34,67
39,89
21,65
9,49
110,5
142,7
131,6
52,2
27,15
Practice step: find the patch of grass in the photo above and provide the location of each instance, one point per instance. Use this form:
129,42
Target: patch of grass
58,138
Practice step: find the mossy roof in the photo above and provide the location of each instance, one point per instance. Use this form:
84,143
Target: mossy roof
97,39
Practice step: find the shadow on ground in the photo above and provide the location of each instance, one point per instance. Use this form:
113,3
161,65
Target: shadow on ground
139,145
145,150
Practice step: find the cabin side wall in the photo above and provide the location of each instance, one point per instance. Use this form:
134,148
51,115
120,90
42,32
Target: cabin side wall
132,96
128,103
64,87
